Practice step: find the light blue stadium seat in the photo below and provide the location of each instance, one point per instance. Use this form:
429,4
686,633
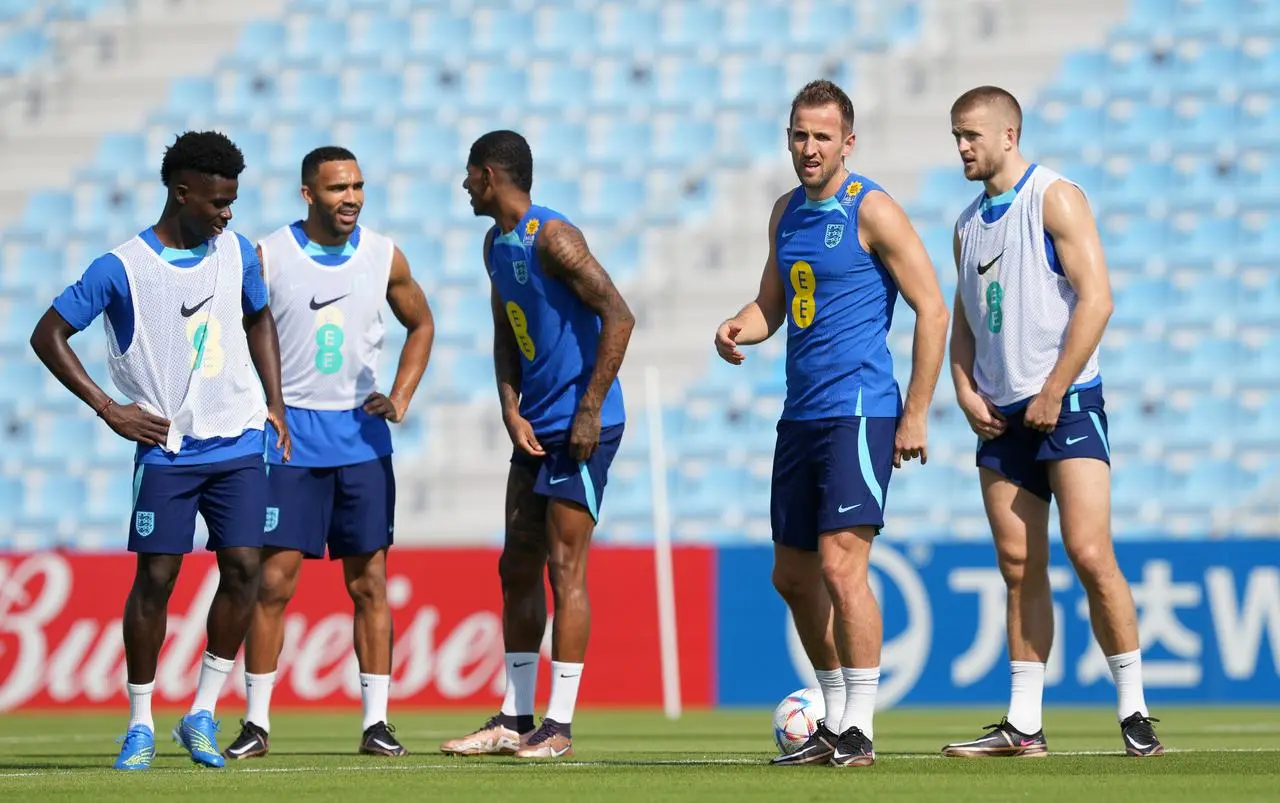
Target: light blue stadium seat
305,93
1135,73
1137,130
426,143
1260,17
561,30
1132,189
760,24
20,48
383,38
1082,70
564,81
1205,239
1135,240
686,26
507,32
322,39
498,85
632,28
689,84
412,203
259,40
1259,241
559,194
374,148
1138,482
1204,72
706,494
444,31
117,151
371,92
1068,134
192,94
1203,361
1193,19
685,134
1203,126
1257,121
47,209
815,27
624,141
1257,183
757,84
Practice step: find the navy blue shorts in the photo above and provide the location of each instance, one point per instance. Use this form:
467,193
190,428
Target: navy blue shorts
829,475
231,496
562,477
1021,453
350,509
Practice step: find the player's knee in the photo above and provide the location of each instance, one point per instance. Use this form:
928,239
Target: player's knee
1093,561
795,587
241,570
368,591
568,574
277,584
154,580
1021,569
519,571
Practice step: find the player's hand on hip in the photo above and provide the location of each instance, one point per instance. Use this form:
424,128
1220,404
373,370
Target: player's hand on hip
522,437
133,423
383,407
984,419
584,435
1043,411
284,441
909,443
727,343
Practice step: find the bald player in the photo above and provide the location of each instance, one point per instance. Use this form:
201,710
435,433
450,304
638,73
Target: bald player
1032,301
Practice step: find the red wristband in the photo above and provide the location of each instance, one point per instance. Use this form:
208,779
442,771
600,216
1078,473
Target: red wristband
105,406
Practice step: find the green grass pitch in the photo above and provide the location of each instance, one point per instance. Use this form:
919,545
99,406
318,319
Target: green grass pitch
1215,754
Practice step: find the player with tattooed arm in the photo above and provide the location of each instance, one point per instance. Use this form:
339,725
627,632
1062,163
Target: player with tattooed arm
560,332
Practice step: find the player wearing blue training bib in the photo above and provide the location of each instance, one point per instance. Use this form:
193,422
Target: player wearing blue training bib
840,251
329,279
1032,302
192,344
560,332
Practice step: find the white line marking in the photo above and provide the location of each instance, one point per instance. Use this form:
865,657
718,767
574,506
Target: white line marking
468,764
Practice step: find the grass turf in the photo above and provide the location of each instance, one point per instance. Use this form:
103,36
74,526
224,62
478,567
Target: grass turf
1214,755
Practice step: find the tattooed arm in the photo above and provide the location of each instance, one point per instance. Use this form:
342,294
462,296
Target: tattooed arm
567,258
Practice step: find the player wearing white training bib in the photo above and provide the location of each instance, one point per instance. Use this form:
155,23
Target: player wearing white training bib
328,279
191,343
1032,302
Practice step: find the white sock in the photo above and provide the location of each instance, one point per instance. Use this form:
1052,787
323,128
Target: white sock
565,678
213,674
374,690
140,704
522,683
257,694
1026,696
1126,668
831,682
860,686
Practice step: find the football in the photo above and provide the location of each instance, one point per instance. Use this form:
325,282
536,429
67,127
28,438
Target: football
796,718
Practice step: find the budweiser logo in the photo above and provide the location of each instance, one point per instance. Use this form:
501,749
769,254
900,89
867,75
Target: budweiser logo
59,643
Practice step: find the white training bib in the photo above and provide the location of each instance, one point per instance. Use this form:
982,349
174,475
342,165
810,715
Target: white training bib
329,319
1016,305
189,358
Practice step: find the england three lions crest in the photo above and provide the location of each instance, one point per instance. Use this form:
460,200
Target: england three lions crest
835,233
521,269
144,521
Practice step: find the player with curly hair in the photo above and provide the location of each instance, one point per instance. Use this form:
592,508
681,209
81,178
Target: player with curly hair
187,324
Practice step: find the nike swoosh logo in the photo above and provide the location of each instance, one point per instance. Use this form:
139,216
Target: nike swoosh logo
563,675
558,480
844,509
318,305
383,744
560,752
518,664
1074,441
242,750
1137,744
983,268
187,312
840,756
787,234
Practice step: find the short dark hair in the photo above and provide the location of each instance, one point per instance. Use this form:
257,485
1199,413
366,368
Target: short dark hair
209,153
326,153
820,93
508,151
990,96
